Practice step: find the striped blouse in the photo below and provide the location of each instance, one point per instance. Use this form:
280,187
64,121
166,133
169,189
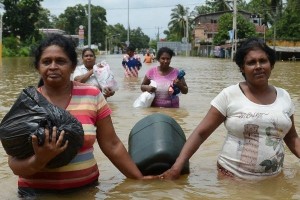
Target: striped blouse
88,105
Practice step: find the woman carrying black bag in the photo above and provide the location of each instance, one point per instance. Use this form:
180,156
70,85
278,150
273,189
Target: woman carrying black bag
55,60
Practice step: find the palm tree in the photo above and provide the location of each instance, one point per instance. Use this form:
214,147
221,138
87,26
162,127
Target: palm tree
199,10
217,5
178,23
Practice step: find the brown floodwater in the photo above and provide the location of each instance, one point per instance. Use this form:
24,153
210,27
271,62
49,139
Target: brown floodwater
206,78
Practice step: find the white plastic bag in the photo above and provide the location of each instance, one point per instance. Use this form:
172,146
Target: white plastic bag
105,76
145,99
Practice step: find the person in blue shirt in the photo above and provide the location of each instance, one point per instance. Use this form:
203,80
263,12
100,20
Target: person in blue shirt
131,63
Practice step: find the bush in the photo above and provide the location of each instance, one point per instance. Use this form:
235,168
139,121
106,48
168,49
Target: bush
12,47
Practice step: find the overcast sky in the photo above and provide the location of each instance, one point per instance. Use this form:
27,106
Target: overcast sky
151,16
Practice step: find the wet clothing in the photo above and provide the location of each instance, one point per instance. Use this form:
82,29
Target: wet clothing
131,65
81,70
148,58
253,148
162,97
88,105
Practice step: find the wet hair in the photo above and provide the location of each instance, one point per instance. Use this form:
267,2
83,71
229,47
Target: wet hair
165,50
59,40
253,44
130,48
88,49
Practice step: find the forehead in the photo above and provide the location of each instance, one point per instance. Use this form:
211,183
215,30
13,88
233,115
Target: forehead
165,54
55,51
88,52
256,53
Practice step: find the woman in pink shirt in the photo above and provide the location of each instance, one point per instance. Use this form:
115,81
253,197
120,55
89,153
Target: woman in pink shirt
165,77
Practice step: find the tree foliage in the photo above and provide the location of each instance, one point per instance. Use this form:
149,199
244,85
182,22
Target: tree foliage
44,19
177,25
137,38
245,28
20,18
217,5
290,17
77,15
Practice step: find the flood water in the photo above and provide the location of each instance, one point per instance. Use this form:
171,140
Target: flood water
206,78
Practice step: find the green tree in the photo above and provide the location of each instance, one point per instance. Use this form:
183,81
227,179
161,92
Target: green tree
72,18
44,19
118,33
245,28
20,18
77,15
290,16
138,39
217,5
200,10
269,10
177,25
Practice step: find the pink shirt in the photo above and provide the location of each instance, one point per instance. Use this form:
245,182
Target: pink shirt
162,96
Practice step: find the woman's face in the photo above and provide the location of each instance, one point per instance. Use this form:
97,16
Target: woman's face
89,59
165,60
257,67
55,67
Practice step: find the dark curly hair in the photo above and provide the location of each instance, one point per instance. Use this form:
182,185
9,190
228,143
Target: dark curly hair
59,40
165,50
253,44
88,49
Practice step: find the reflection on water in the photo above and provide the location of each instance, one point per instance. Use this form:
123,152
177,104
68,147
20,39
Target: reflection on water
205,78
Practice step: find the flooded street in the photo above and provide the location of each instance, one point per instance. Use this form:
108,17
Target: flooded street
205,78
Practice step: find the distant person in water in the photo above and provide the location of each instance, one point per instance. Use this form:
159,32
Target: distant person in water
166,77
148,57
85,74
131,63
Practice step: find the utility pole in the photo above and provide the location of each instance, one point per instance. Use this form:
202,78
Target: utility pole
234,45
127,42
187,35
157,38
89,24
1,31
274,28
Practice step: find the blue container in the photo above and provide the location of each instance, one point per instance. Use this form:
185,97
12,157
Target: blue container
155,142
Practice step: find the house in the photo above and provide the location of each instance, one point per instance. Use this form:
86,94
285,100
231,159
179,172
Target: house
206,25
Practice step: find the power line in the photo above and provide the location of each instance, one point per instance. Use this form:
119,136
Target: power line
139,8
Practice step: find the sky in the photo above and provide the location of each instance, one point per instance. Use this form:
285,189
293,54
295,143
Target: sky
151,16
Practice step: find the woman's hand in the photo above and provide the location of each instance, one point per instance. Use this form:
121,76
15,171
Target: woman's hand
107,92
151,89
150,177
178,83
42,154
181,84
170,174
51,147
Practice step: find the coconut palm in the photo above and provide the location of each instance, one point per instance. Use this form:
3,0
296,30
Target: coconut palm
217,5
177,25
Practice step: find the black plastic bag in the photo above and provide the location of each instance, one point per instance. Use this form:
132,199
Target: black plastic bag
30,115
